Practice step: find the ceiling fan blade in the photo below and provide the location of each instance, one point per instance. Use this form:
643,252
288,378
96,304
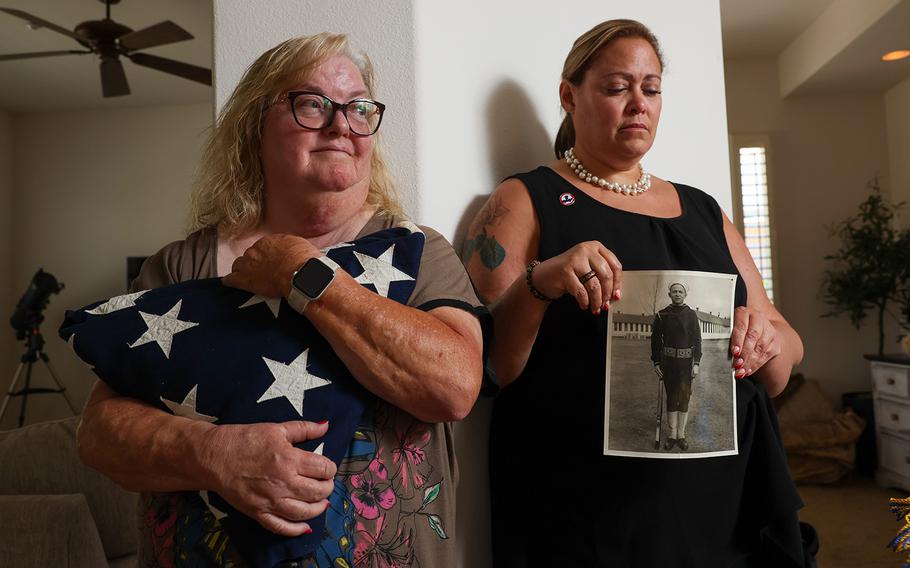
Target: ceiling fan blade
113,79
159,34
12,56
35,20
185,70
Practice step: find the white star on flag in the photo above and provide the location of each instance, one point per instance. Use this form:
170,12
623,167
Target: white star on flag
292,381
161,329
274,304
117,303
187,408
338,246
379,271
219,514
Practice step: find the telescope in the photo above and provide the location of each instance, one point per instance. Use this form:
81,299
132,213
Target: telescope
26,320
28,315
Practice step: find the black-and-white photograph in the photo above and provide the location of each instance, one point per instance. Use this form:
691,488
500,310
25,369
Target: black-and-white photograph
669,382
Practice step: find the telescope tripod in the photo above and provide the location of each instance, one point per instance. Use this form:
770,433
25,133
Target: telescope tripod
34,352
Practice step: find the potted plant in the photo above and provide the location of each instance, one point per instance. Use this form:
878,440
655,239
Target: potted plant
871,270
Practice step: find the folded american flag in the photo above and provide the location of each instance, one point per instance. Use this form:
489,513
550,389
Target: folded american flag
209,352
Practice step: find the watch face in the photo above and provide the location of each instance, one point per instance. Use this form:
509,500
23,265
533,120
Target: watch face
313,278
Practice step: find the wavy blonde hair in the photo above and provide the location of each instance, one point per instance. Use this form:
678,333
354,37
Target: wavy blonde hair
582,55
228,192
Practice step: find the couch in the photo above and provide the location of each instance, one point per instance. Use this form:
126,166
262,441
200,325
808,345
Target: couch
56,511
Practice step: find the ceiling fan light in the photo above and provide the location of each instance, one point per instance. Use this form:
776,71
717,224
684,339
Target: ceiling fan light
109,40
896,55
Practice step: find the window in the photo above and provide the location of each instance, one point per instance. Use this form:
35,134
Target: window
752,213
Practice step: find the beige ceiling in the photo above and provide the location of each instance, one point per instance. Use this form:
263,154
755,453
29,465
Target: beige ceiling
858,68
849,64
750,29
763,28
73,81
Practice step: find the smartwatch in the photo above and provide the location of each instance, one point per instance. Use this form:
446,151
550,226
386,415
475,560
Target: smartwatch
310,281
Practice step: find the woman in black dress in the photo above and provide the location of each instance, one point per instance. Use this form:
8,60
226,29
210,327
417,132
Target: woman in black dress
562,234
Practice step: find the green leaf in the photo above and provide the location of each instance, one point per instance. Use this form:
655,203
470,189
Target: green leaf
431,493
436,525
491,252
467,249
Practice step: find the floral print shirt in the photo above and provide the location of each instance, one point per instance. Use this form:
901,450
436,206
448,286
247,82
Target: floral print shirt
394,499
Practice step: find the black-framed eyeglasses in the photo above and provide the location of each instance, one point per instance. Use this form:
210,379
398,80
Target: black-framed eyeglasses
315,111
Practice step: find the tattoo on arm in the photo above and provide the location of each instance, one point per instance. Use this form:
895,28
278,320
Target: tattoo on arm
491,252
493,212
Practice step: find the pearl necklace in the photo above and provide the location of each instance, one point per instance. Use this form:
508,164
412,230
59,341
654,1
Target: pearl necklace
642,185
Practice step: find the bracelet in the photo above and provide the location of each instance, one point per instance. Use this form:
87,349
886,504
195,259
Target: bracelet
534,291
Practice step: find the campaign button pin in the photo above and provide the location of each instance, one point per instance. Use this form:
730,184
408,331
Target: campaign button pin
567,199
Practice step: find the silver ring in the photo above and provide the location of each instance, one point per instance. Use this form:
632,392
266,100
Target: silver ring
584,278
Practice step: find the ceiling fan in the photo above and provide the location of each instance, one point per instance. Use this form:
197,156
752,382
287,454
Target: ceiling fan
109,40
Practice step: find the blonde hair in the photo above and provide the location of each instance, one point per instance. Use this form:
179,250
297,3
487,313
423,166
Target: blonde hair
228,192
582,55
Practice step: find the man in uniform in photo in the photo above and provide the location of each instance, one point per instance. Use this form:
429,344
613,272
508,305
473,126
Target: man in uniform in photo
676,353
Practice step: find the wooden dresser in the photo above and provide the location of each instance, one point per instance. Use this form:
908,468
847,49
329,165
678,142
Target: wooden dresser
891,394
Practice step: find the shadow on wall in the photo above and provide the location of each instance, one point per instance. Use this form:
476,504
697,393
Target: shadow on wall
516,141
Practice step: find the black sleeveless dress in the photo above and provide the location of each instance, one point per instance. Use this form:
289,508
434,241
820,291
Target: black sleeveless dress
557,500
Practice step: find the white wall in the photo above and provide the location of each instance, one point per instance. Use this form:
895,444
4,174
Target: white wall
92,188
824,151
499,90
472,95
897,110
6,246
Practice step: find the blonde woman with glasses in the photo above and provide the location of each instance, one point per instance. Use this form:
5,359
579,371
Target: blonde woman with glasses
292,172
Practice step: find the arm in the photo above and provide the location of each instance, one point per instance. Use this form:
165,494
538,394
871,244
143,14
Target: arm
508,221
426,363
696,347
763,343
657,338
254,467
657,344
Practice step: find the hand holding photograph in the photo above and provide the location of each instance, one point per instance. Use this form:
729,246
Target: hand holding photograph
669,383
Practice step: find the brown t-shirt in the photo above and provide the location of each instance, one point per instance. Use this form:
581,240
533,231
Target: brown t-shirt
399,482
